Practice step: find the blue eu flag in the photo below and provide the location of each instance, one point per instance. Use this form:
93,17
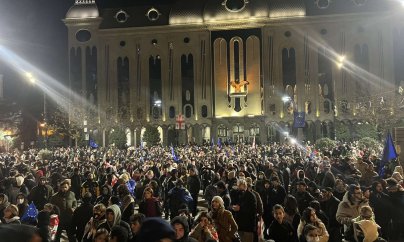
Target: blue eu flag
389,153
299,119
93,144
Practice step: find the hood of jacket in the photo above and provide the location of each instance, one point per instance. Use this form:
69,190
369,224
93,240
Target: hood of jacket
181,220
117,214
5,202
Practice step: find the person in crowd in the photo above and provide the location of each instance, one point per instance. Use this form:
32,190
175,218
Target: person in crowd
3,203
41,193
223,220
340,189
310,234
325,178
81,216
302,196
223,192
309,217
244,208
382,208
106,192
156,230
18,232
291,211
76,182
178,196
194,186
118,234
168,184
101,235
319,212
363,227
280,230
66,201
91,186
136,222
22,204
113,218
150,206
204,228
396,193
329,204
350,205
181,228
43,225
127,202
11,189
98,217
11,215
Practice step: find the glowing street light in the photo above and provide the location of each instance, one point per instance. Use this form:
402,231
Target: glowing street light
30,77
286,99
341,61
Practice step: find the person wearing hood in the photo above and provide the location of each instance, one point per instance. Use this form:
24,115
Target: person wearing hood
91,227
41,193
105,194
181,228
81,216
3,203
113,218
350,205
223,220
11,215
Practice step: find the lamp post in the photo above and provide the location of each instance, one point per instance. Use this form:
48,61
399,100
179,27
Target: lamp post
43,125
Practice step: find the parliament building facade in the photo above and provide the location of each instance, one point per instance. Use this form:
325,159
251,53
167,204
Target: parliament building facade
233,69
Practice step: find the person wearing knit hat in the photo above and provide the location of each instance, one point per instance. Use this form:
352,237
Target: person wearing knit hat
223,219
156,230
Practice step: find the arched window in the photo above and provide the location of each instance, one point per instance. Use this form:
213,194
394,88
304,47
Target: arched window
171,112
204,111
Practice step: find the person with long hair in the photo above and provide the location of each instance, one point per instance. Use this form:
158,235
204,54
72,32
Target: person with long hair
204,228
309,217
292,214
150,206
223,220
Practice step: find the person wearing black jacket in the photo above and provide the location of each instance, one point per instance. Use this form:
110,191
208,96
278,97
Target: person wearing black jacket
280,230
244,208
194,186
40,194
382,208
81,216
329,204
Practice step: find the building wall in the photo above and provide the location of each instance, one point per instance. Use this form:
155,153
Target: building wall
258,103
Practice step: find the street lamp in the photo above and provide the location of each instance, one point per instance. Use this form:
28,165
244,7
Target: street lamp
44,125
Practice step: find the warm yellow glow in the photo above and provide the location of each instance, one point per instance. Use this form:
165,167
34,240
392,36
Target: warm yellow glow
281,115
250,116
317,113
219,117
42,124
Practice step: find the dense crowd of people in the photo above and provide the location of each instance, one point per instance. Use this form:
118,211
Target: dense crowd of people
279,192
